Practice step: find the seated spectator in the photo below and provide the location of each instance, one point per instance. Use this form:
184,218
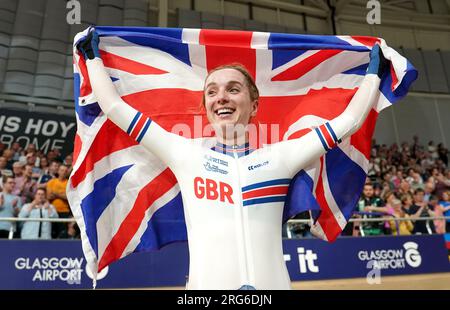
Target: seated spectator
387,209
385,189
56,194
2,148
30,151
4,171
16,150
397,177
428,190
29,185
54,154
68,160
421,209
414,179
38,208
400,227
445,204
417,181
49,173
441,184
432,149
18,169
406,149
3,167
442,151
8,154
368,203
377,189
427,162
72,231
10,205
33,161
43,166
438,210
404,187
373,170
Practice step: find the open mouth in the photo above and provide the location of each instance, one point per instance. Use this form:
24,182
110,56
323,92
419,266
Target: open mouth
223,112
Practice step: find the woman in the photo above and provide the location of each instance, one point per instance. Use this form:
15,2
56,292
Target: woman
445,209
404,227
234,229
387,209
438,210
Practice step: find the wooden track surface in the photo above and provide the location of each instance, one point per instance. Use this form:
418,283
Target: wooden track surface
432,281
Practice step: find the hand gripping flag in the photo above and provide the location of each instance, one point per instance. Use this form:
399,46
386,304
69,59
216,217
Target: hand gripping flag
126,200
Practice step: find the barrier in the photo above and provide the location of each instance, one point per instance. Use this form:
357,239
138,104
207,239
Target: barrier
27,264
288,223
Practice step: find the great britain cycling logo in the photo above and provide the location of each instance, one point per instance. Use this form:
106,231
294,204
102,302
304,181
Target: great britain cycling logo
213,164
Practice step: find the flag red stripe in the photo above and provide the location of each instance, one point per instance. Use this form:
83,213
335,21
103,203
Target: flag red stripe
394,78
284,111
102,146
297,71
327,136
156,188
77,147
137,128
219,52
125,64
361,140
226,38
327,220
367,41
85,88
277,190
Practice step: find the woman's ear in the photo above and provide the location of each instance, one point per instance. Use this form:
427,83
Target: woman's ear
255,108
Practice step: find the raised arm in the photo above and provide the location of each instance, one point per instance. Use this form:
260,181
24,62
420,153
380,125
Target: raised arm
299,153
141,128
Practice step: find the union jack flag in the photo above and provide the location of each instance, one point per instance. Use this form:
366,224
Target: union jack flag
126,200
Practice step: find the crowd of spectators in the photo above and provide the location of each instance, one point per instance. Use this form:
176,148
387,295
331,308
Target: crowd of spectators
408,181
33,185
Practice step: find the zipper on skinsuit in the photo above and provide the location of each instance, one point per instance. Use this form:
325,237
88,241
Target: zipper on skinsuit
241,226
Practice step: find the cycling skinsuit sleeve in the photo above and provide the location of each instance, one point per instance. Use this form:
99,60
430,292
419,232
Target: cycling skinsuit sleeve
301,152
154,138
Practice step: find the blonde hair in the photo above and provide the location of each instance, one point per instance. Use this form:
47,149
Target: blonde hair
396,202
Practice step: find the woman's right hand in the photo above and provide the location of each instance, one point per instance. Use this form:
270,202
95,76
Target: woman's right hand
378,63
89,45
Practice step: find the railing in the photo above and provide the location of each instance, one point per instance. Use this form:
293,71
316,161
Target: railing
428,218
289,222
17,219
386,217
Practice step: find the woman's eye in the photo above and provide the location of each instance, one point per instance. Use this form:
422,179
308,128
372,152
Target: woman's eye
234,90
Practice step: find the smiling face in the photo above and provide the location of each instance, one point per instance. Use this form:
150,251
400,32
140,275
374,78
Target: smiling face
397,206
228,99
